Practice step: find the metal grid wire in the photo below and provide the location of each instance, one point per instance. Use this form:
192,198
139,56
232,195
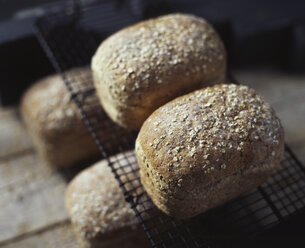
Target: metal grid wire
70,42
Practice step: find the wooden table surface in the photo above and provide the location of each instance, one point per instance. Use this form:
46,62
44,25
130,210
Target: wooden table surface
32,194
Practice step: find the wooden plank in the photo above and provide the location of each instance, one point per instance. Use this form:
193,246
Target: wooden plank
13,135
58,236
31,196
286,93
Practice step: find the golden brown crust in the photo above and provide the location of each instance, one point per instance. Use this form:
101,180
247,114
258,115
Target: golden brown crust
99,213
148,64
55,122
196,141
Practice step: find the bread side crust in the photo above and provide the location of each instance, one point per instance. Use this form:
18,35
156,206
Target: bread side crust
124,238
132,116
187,204
62,152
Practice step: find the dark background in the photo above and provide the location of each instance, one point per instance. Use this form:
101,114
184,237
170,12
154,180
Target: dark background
256,33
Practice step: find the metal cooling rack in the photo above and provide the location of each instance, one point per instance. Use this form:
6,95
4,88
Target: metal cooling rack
70,39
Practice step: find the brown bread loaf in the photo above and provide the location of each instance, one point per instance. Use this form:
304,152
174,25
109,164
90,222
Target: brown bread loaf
207,147
99,213
142,67
54,122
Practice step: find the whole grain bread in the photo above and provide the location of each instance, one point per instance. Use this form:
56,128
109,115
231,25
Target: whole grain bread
207,147
54,122
143,66
99,213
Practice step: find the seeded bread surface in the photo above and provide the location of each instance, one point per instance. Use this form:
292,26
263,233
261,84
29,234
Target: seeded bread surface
55,124
99,213
143,66
207,147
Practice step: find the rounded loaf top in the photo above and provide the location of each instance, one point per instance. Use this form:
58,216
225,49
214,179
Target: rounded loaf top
177,50
48,102
96,203
49,105
211,133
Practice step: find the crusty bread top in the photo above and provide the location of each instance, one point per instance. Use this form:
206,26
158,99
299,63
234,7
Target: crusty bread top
48,105
211,133
96,203
177,50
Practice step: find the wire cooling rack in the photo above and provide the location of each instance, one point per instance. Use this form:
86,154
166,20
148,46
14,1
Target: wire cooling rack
70,39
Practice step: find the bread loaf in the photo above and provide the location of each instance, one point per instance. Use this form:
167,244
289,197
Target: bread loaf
99,213
207,147
55,123
143,66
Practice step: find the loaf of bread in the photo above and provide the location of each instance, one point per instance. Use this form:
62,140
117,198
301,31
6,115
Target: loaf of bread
99,213
144,66
207,147
55,123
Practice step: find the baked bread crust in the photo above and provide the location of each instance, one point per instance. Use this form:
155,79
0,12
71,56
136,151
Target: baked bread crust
99,213
54,122
143,66
205,148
